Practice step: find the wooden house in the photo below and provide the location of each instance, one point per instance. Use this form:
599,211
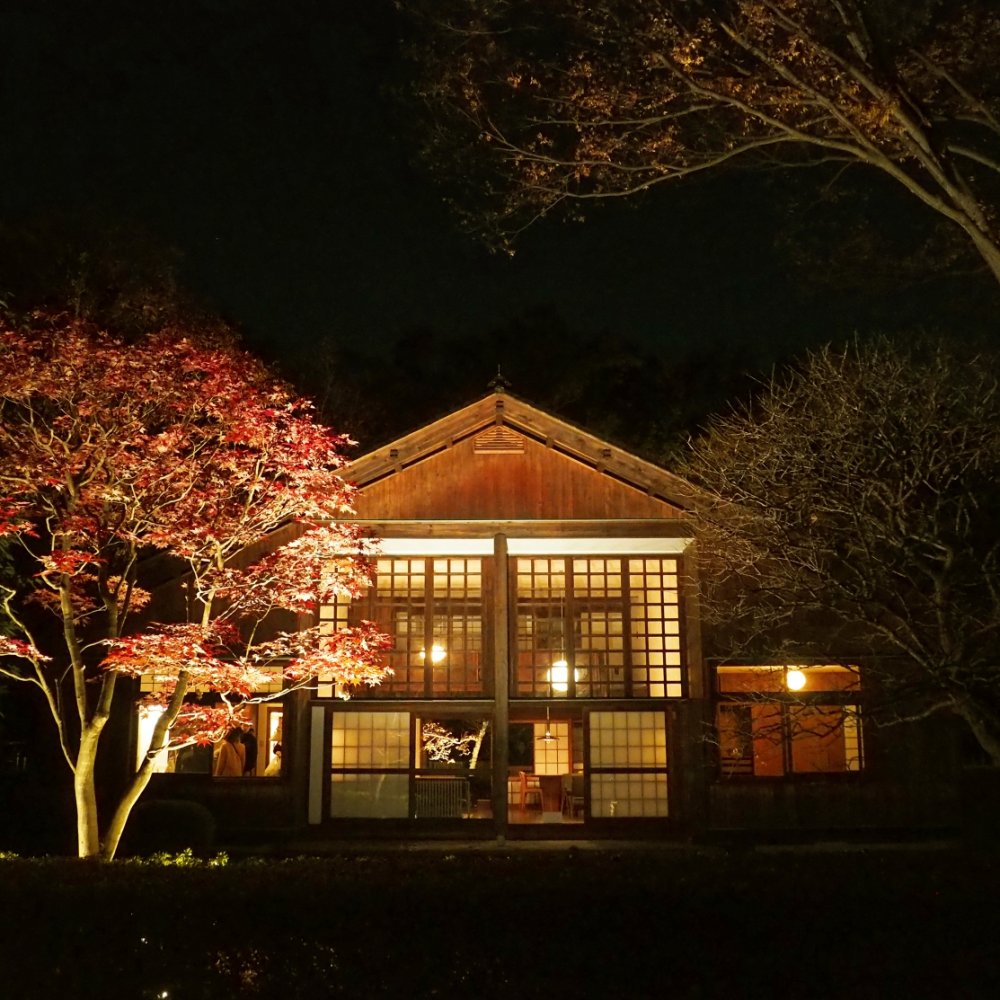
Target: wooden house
548,676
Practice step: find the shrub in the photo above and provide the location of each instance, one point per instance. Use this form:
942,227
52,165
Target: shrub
170,826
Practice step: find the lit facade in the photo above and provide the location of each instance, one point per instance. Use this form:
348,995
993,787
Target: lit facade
548,678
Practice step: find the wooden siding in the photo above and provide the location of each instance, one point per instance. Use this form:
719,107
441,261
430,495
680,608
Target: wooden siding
763,806
512,420
539,483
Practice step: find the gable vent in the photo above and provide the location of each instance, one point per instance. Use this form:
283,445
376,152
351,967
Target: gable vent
499,440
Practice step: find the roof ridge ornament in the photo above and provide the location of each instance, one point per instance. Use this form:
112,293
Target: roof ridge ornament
498,383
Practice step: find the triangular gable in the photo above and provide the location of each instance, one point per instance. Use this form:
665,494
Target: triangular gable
501,457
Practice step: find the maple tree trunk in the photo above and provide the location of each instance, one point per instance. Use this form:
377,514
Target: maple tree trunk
113,834
131,795
87,828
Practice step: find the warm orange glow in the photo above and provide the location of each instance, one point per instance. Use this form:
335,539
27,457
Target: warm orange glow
559,676
795,679
437,654
149,715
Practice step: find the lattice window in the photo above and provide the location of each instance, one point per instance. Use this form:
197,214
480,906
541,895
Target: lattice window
654,611
457,627
598,627
552,756
370,764
332,618
598,637
628,764
433,609
542,643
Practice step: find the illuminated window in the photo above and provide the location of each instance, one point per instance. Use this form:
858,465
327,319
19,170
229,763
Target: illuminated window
628,765
552,747
370,758
453,773
773,721
397,765
654,615
433,609
597,627
259,722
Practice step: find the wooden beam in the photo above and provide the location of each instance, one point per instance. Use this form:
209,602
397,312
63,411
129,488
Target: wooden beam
501,683
670,527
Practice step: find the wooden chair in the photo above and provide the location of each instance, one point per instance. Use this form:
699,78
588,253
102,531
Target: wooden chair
529,790
572,794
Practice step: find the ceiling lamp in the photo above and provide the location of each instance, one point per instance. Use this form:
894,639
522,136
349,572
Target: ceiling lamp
437,654
795,679
559,676
547,736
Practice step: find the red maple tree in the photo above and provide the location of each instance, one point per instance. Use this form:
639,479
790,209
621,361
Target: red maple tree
177,450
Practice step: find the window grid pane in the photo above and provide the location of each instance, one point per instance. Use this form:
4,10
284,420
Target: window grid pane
597,627
628,759
399,607
439,655
598,639
552,757
370,741
627,796
820,741
457,638
542,668
654,611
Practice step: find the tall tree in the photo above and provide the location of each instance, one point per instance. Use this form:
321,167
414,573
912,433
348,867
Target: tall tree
668,394
110,273
851,512
111,453
558,104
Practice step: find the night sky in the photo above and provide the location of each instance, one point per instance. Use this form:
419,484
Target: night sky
264,141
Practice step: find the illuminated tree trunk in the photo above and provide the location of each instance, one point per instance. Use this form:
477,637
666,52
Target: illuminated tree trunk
131,795
987,249
113,834
87,824
478,744
99,470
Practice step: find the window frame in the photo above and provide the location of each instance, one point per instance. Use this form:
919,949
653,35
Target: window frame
419,682
529,680
784,732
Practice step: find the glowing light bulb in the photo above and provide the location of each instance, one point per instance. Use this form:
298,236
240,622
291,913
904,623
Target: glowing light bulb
795,680
437,654
559,676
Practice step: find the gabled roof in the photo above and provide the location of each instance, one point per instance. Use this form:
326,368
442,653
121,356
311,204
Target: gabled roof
501,410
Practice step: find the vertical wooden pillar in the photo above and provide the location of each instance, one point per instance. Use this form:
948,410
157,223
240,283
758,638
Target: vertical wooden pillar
501,684
691,769
699,684
295,735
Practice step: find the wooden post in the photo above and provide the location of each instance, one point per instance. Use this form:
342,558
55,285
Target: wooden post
501,684
699,684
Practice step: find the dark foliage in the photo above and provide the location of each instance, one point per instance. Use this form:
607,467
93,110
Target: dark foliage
169,825
530,924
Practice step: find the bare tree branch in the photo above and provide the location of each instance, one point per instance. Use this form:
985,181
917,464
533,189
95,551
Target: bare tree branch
849,512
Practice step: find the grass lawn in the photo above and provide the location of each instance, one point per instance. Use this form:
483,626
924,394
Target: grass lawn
517,923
